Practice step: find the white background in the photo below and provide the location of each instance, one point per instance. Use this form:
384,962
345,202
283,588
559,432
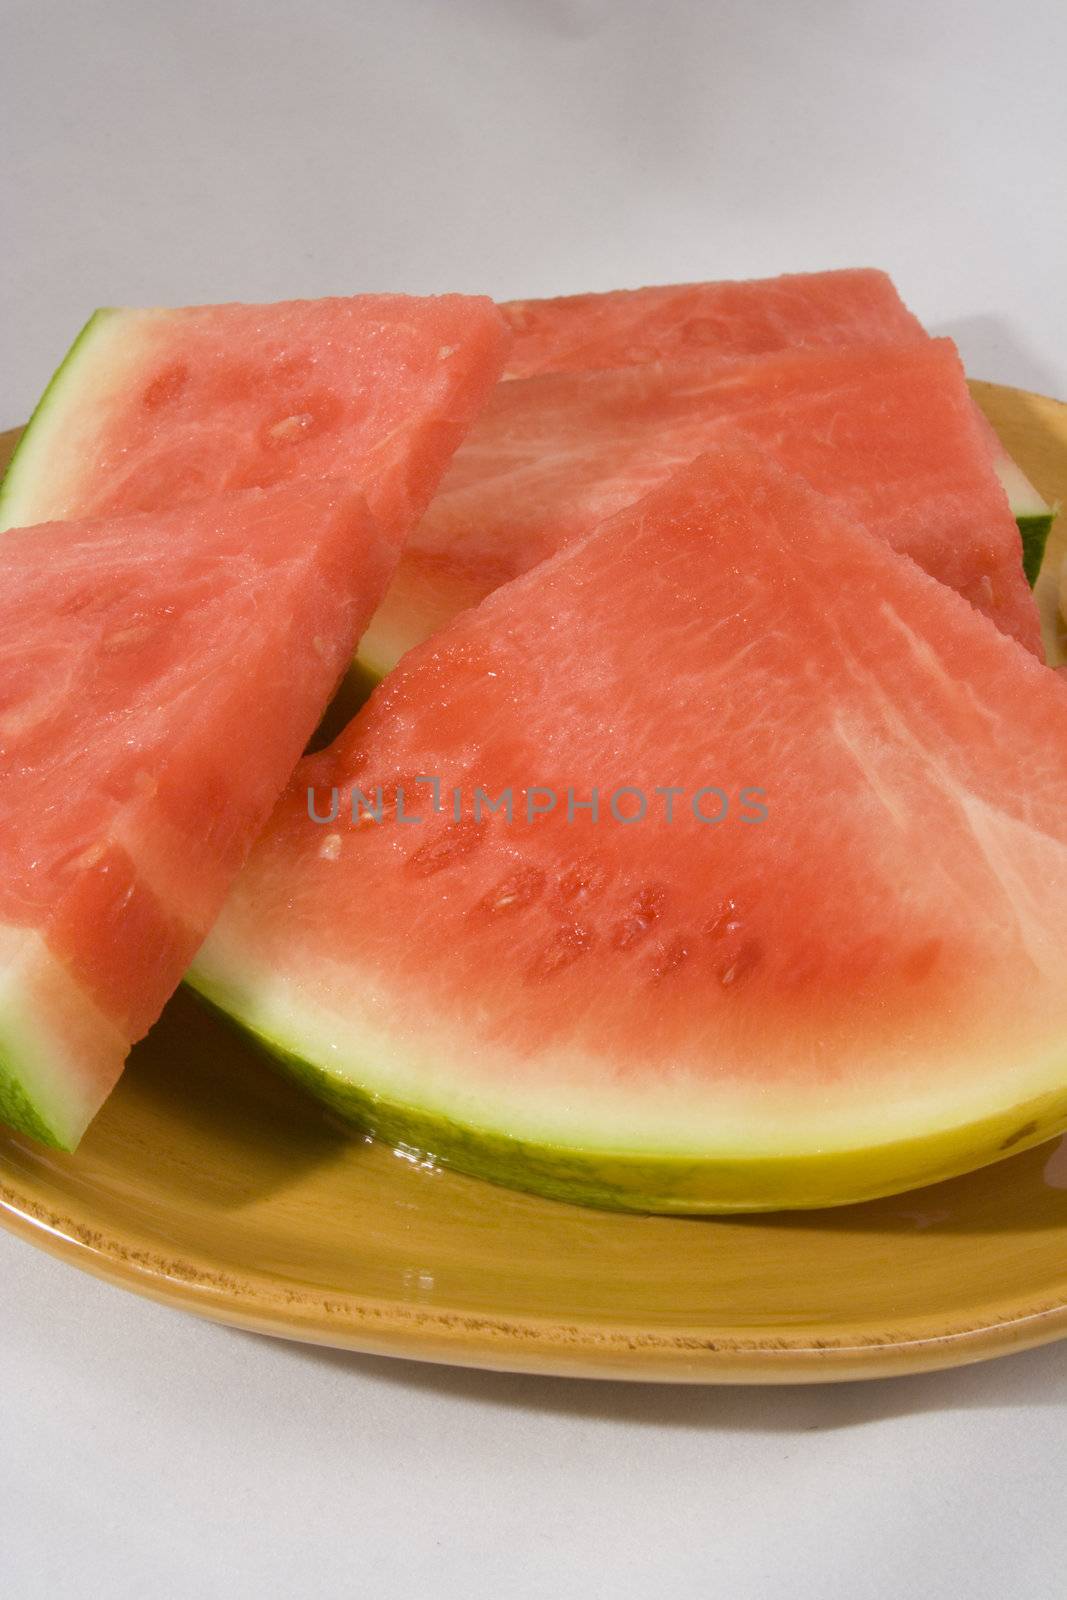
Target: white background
251,149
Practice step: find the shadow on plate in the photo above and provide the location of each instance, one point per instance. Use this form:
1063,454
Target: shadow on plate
256,1132
263,1133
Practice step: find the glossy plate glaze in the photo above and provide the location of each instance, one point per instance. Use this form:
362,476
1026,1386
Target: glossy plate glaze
210,1184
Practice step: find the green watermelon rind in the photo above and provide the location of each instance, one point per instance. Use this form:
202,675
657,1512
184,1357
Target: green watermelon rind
654,1181
33,1098
1047,596
1033,515
19,1109
1035,528
35,433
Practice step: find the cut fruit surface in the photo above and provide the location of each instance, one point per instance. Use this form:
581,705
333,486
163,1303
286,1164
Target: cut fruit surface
159,677
631,327
823,961
152,408
628,327
889,432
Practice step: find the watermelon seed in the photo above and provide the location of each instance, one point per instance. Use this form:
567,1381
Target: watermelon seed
91,857
724,922
566,945
292,427
583,882
167,385
982,593
671,957
330,848
747,958
516,892
645,911
437,854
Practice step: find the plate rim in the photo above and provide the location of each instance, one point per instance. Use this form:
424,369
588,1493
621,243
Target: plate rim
279,1308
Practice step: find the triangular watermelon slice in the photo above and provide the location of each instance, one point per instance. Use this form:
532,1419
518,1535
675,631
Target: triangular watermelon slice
152,408
159,677
628,327
889,432
810,948
803,310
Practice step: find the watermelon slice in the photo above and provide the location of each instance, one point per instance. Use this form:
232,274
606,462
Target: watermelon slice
152,408
890,433
160,675
629,327
834,968
1033,515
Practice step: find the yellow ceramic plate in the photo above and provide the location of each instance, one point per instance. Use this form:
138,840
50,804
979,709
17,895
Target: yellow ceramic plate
210,1184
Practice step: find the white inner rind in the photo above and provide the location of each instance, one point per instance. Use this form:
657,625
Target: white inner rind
1022,496
56,1045
49,465
378,1047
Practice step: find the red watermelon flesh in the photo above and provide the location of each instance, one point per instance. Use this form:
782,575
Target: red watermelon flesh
851,981
153,408
888,432
628,327
159,677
